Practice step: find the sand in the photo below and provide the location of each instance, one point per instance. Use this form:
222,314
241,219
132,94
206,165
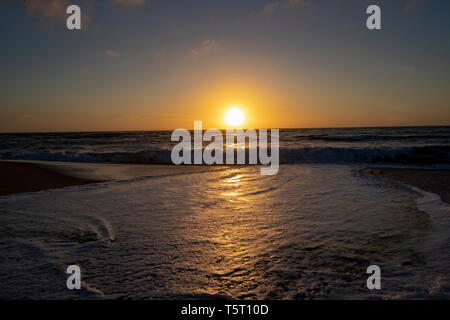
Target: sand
21,177
436,181
31,176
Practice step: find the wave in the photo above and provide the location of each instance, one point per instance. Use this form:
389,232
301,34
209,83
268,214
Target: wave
355,138
406,155
141,157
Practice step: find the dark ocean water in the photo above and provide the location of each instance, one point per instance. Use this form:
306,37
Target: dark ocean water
402,145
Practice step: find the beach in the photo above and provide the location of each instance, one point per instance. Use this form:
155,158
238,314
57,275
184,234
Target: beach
21,177
140,228
32,176
308,232
436,181
225,150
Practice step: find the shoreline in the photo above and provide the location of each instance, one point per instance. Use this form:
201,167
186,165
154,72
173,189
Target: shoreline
435,181
32,176
23,177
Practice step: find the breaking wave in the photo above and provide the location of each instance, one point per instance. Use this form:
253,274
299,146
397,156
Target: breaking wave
405,155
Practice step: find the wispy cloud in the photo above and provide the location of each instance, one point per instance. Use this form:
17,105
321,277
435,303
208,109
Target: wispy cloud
295,3
205,48
110,54
271,7
47,11
411,5
130,2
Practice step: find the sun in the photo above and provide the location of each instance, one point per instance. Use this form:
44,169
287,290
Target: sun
234,117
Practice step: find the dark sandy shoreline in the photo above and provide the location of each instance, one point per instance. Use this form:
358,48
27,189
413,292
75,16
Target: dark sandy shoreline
21,177
435,181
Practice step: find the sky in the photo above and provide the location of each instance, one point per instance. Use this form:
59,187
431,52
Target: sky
161,64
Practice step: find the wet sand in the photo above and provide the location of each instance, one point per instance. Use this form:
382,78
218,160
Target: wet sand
21,177
436,181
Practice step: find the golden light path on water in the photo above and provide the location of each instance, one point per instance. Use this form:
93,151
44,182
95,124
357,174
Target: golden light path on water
308,232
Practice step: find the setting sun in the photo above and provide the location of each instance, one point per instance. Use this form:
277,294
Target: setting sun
234,117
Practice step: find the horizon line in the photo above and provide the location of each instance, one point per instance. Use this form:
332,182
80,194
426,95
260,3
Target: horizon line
223,129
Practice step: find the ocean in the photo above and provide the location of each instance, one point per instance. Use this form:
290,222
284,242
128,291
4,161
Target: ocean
308,232
405,145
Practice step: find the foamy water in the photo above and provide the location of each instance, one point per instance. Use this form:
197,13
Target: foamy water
310,231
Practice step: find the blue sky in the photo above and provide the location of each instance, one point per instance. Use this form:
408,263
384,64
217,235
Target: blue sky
161,64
